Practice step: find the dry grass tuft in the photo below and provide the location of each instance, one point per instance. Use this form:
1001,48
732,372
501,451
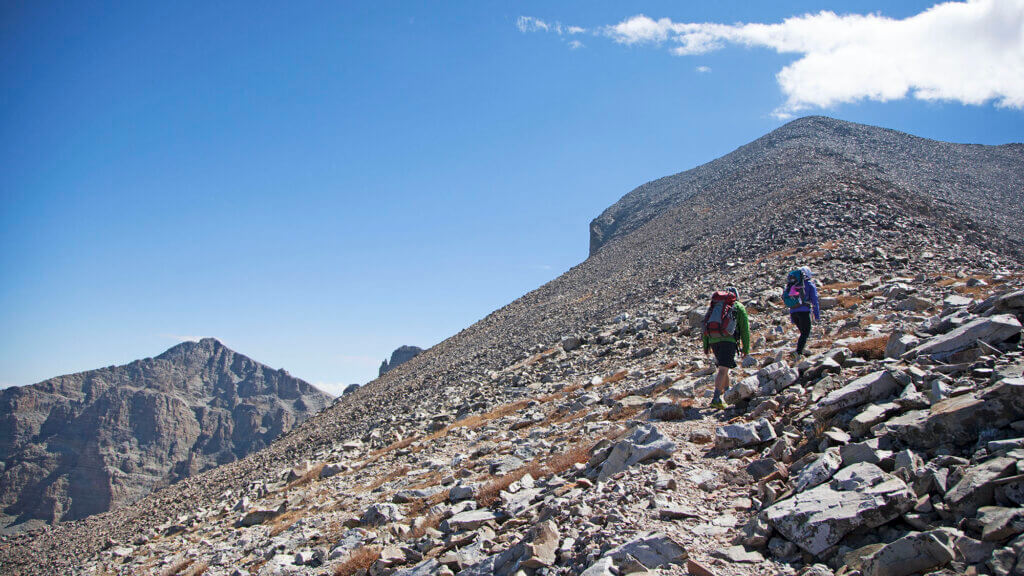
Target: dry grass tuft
562,461
417,507
197,569
620,375
625,413
555,464
835,286
490,492
313,474
384,479
870,349
850,301
285,521
977,291
429,521
397,445
177,568
359,559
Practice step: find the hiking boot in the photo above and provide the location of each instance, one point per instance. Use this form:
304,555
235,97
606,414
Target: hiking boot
719,404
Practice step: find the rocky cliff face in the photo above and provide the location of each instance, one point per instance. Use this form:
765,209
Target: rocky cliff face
569,432
401,355
84,443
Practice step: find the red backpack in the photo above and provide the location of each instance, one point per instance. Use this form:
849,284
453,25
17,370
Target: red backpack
720,321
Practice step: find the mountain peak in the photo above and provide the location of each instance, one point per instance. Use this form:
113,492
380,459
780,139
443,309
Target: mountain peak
193,407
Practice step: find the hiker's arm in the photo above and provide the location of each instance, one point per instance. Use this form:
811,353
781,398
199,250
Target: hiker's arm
744,322
707,345
814,301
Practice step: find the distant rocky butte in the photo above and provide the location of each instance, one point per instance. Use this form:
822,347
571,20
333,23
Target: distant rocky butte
401,355
84,443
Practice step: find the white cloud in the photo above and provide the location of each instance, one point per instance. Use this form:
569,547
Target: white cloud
703,69
970,52
531,24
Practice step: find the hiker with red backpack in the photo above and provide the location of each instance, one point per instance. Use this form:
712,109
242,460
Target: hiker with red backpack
725,321
801,296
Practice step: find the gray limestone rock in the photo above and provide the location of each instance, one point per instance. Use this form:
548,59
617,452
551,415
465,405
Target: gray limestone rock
871,415
858,496
959,420
821,470
747,434
381,513
991,330
644,443
916,552
652,550
976,487
999,523
899,343
874,386
468,520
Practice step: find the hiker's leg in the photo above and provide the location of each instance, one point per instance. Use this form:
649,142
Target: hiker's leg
803,323
721,380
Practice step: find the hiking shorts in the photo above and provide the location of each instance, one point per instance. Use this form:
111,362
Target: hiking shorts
725,353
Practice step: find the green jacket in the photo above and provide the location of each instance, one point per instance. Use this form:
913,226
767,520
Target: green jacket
742,326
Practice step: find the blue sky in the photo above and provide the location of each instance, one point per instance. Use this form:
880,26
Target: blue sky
318,183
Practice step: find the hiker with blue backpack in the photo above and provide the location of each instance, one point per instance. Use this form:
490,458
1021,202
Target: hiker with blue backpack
801,297
725,323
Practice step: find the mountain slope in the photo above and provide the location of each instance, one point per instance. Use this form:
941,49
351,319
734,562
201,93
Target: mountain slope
983,181
780,200
84,443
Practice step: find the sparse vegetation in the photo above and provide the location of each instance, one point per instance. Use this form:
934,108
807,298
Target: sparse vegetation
313,474
358,559
384,479
197,569
621,374
870,349
177,567
285,521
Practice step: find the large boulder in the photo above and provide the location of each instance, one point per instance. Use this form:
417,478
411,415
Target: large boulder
874,386
991,330
643,444
380,514
819,471
958,420
858,496
976,487
651,550
1012,302
747,434
536,550
913,553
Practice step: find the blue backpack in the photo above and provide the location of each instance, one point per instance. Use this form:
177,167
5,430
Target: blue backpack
793,294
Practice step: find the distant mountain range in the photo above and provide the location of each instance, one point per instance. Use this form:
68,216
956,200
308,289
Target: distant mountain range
84,443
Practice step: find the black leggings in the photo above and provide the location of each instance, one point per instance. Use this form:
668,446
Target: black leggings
803,323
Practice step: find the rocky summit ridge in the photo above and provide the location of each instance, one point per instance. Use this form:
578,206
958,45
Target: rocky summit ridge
569,432
84,443
401,355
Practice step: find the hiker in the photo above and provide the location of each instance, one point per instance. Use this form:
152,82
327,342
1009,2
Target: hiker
725,321
801,296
